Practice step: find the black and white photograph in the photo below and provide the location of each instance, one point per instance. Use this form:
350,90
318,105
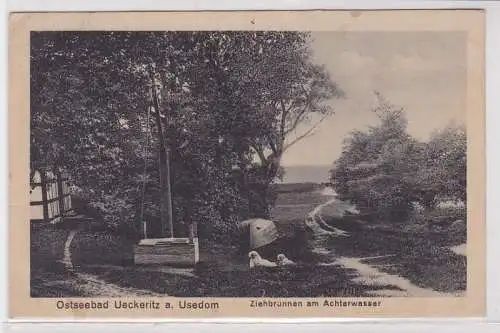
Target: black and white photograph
248,164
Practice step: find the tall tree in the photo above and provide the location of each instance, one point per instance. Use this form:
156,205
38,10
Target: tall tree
385,170
375,168
224,97
443,171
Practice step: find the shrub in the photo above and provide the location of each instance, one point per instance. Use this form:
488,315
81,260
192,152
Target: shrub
450,222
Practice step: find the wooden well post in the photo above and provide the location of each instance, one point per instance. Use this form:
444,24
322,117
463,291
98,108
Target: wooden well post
167,250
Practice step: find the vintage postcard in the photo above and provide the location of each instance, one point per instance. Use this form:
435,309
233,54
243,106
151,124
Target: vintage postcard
193,165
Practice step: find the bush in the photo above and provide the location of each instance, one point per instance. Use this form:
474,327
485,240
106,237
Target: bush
90,248
445,217
450,222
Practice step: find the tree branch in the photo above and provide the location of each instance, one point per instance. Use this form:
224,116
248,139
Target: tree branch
306,134
260,153
300,116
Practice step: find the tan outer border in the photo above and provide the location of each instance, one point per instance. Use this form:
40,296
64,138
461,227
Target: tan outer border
471,21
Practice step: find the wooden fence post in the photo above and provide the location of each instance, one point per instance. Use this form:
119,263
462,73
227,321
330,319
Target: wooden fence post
43,183
60,193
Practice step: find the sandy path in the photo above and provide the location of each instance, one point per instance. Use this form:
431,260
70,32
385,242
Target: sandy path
91,285
94,286
370,275
323,232
316,222
68,263
367,274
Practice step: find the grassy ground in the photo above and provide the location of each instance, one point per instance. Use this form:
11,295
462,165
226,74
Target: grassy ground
47,249
304,281
223,273
420,256
291,208
47,246
51,284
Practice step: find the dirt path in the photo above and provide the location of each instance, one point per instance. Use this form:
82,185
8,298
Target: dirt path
91,285
323,232
68,263
316,222
371,276
367,274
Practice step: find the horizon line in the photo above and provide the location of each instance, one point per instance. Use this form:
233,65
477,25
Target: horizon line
308,165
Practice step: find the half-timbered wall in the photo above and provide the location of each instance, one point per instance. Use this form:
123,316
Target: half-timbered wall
49,196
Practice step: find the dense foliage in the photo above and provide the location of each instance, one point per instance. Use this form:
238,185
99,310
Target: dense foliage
388,173
226,97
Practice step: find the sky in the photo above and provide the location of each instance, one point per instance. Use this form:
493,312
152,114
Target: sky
423,72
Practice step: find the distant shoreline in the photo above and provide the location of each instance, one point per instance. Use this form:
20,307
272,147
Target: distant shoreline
306,174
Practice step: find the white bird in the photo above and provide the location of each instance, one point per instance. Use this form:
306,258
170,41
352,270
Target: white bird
257,261
284,261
